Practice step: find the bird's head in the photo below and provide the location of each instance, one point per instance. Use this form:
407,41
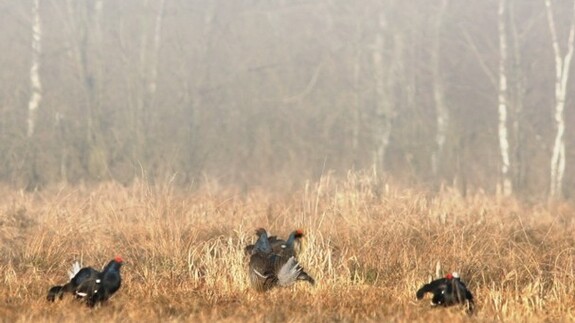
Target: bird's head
114,264
299,233
452,275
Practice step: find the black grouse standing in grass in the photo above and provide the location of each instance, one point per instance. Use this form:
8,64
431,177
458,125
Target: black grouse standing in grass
89,284
268,269
448,291
279,246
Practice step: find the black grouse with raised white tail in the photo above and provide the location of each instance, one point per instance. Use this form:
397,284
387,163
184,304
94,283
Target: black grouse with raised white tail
448,291
89,284
268,269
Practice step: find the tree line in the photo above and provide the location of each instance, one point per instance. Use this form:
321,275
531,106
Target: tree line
253,93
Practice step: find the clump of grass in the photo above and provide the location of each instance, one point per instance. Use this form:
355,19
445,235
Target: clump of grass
369,245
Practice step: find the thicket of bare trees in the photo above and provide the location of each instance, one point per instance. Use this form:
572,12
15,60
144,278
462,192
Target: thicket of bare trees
474,94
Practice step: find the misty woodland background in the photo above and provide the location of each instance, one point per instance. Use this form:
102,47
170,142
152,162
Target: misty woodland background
273,93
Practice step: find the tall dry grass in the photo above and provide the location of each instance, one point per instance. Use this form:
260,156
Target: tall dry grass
369,245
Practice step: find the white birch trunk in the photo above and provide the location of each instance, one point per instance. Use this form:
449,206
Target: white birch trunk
562,65
442,112
502,101
36,85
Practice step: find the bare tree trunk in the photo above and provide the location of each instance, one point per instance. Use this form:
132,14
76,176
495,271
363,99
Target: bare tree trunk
517,96
193,89
84,21
152,81
502,99
62,135
562,65
36,85
147,83
442,111
358,98
382,120
356,113
90,50
387,73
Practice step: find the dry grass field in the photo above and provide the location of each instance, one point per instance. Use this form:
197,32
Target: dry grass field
369,246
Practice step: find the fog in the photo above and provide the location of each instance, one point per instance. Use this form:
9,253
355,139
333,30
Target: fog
269,94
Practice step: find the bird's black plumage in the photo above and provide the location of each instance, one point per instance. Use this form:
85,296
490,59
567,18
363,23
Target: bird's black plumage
89,284
448,291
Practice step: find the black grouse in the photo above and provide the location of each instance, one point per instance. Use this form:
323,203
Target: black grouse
448,291
268,269
89,284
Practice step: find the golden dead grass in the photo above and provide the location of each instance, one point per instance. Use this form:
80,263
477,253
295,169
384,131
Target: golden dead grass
369,247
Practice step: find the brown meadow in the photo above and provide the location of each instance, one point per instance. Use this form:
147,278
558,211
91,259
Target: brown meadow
368,244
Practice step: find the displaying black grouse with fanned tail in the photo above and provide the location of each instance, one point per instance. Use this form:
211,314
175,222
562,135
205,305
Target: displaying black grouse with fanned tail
89,284
448,291
268,269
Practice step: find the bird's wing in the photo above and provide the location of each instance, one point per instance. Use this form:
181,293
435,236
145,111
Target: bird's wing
261,273
463,288
84,274
278,246
88,287
438,284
